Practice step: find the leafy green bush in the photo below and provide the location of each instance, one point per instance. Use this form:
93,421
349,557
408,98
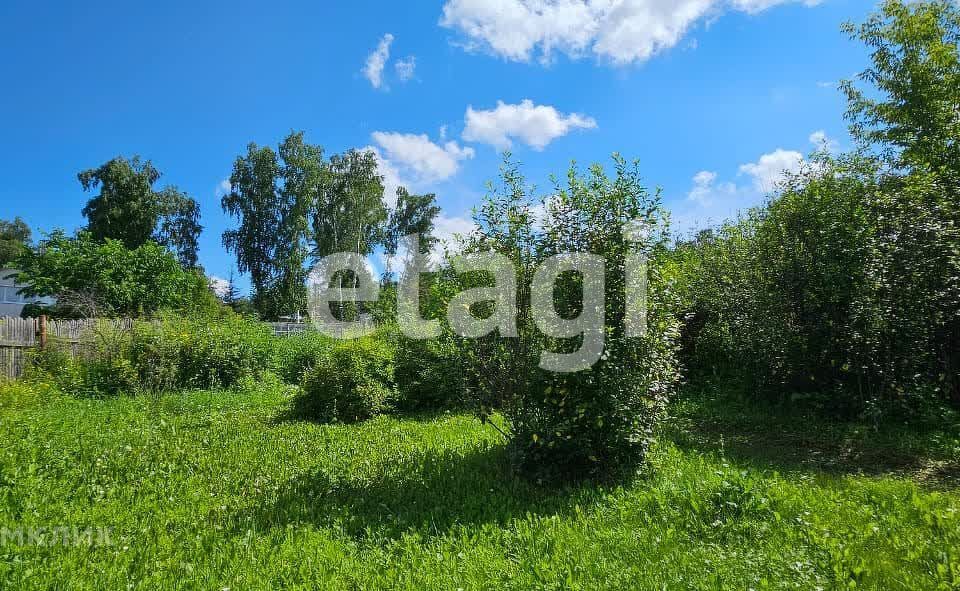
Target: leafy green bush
429,374
353,381
596,423
295,355
206,353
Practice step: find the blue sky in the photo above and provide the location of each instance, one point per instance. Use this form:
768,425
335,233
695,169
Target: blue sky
714,97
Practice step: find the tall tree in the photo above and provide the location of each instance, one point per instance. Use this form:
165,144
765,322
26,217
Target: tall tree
179,225
413,214
129,210
14,240
350,214
126,209
273,195
912,111
304,174
254,199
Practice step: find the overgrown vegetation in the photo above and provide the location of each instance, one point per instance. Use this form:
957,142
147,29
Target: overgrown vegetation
93,279
845,287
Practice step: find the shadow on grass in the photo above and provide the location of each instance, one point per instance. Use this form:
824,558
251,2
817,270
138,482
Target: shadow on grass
427,492
786,439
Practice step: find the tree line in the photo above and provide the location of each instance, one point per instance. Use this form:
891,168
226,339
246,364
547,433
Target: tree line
292,206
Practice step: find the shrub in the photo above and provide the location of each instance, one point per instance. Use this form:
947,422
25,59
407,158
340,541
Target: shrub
295,355
201,354
98,365
429,374
596,423
96,279
352,381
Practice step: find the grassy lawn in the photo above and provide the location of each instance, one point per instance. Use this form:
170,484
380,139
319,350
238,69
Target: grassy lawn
228,490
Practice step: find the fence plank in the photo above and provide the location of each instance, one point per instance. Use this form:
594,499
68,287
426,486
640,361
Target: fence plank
19,335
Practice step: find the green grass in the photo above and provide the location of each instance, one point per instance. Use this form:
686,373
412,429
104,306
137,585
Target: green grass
228,490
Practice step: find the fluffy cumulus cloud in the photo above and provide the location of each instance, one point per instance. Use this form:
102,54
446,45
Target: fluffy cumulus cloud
710,200
376,61
534,125
621,31
771,169
821,141
417,154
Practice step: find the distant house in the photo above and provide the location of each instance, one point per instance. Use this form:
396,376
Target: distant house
11,302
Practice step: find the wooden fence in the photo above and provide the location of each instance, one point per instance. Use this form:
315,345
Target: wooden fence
19,336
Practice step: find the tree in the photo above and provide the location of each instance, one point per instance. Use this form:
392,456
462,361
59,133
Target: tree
254,200
413,214
129,210
273,195
90,277
913,112
14,239
911,115
350,214
179,225
304,174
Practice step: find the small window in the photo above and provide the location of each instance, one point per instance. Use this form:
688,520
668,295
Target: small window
11,295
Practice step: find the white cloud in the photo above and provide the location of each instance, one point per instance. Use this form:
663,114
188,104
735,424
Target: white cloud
771,169
428,162
376,61
449,230
822,141
534,125
223,187
706,192
219,285
621,31
406,68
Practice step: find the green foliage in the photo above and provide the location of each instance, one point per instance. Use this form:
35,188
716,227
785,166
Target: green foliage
105,279
98,366
597,423
292,203
413,214
129,210
14,240
295,355
352,381
910,110
429,374
23,394
844,286
179,353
